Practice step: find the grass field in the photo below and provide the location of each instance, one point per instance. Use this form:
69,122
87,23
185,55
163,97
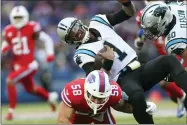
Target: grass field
39,113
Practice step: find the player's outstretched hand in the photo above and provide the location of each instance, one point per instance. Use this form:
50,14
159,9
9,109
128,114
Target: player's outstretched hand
108,53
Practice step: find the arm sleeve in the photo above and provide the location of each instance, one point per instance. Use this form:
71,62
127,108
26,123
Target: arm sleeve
117,17
88,67
66,97
83,56
5,45
36,26
116,94
123,14
85,62
48,42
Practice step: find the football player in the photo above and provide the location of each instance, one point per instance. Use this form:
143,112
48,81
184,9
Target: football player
168,20
133,78
20,37
88,100
173,91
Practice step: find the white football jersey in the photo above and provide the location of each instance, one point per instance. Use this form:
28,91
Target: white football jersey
177,37
123,52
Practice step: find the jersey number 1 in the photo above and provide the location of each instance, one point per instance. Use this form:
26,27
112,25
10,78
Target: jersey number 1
20,46
121,55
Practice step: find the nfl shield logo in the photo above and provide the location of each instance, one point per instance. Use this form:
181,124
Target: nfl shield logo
91,78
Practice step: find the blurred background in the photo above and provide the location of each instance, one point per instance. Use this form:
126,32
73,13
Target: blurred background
63,69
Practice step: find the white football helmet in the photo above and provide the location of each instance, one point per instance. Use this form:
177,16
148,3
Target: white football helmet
154,19
97,89
72,31
19,16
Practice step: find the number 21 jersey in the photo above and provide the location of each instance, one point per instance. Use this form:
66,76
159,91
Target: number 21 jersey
22,42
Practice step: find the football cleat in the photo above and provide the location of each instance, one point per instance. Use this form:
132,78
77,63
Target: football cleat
181,109
53,97
9,116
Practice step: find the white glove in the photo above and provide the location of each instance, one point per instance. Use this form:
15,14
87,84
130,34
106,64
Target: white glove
138,43
151,108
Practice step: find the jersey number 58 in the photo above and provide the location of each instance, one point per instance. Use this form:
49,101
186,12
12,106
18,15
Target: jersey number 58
76,89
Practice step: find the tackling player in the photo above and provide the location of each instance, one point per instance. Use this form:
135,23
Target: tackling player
88,100
173,91
133,78
20,37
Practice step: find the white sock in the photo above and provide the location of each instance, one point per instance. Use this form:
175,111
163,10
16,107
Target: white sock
11,110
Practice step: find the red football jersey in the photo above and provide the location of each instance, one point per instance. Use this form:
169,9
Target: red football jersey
73,96
159,43
22,42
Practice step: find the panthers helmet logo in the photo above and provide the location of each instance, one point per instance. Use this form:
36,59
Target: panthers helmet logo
160,11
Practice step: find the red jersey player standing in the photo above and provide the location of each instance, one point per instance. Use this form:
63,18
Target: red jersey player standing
88,100
173,91
19,37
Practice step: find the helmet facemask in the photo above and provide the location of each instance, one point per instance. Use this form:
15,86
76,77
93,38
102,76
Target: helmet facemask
153,32
77,33
154,20
95,103
97,89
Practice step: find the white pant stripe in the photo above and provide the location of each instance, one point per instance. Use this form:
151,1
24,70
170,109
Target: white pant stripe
25,73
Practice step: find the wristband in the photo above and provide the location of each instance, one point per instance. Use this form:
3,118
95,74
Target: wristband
107,64
127,3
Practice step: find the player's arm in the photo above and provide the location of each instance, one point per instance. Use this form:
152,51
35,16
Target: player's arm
47,40
66,109
108,58
101,61
5,47
127,11
123,106
65,114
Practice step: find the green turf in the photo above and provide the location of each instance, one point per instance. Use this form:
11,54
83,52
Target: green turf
44,107
158,120
44,121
